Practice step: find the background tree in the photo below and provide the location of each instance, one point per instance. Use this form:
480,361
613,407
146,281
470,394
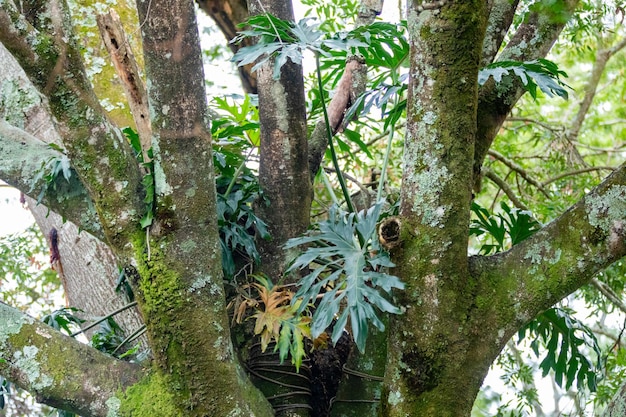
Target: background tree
180,205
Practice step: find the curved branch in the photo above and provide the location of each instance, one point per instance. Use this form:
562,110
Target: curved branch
576,172
59,370
98,151
521,171
533,40
558,259
602,58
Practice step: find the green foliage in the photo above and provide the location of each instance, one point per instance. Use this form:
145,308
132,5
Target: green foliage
148,179
108,337
277,320
50,171
5,389
540,73
285,40
512,227
567,359
64,318
27,279
235,136
349,276
122,285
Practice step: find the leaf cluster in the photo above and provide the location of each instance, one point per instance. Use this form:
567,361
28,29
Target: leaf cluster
349,275
22,260
50,170
236,136
565,339
286,40
507,228
148,179
277,320
540,73
64,318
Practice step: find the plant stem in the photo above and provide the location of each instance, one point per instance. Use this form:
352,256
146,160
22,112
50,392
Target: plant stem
108,316
329,133
392,129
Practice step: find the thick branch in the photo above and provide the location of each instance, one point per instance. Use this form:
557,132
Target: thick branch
127,69
533,40
558,259
97,150
21,166
501,14
283,166
181,294
59,370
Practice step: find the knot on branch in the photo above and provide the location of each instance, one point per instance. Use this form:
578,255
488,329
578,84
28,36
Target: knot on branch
389,233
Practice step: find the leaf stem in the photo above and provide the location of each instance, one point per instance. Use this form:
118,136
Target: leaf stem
333,153
108,316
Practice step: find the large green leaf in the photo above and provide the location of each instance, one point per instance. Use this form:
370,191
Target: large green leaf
348,267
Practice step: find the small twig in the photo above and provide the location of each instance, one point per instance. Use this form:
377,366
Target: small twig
537,122
504,187
134,335
350,178
108,316
576,172
609,294
521,171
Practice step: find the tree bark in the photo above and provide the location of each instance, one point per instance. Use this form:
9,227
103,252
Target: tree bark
283,168
59,370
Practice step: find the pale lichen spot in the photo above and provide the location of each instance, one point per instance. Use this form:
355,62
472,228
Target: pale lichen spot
113,406
200,283
26,361
395,398
12,321
120,185
165,110
282,107
604,210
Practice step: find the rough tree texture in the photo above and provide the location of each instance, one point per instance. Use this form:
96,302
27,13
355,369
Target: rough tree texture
61,371
458,311
283,169
422,378
83,257
180,282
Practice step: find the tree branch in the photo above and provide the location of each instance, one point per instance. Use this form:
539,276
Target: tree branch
558,259
521,171
115,40
501,14
609,294
180,288
533,40
59,370
602,58
98,151
283,166
488,173
351,85
23,168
